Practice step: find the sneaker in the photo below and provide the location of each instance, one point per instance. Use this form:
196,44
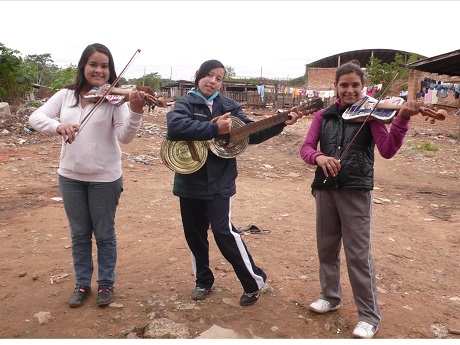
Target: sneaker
322,306
364,330
104,295
249,298
199,293
80,293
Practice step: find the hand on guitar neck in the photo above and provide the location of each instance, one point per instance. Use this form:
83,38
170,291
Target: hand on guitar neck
224,123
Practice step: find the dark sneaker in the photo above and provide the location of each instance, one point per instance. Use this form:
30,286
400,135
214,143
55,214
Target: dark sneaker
80,293
104,295
199,293
249,298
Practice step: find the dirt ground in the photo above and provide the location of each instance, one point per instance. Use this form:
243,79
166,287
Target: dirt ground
416,243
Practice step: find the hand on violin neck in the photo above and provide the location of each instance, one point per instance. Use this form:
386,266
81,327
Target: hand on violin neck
409,109
137,101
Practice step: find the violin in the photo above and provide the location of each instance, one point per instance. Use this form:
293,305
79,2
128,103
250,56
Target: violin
119,95
385,111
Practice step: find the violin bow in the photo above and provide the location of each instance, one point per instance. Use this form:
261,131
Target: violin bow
366,119
101,99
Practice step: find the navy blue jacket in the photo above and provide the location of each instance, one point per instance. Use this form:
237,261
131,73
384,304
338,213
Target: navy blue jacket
191,120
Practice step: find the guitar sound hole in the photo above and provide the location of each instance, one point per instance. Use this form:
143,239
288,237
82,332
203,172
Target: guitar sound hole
222,142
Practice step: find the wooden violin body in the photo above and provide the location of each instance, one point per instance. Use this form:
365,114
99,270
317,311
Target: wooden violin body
386,110
117,95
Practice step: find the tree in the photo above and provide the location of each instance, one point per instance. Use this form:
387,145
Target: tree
383,73
153,80
230,72
14,79
41,67
63,77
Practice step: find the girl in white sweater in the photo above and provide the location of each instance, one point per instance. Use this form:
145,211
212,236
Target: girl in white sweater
90,170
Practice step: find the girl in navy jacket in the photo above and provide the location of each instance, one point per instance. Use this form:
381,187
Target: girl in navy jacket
205,195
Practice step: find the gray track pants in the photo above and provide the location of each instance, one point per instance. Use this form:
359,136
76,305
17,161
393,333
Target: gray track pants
345,216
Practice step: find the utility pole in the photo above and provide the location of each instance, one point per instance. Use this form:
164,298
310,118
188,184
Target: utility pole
143,79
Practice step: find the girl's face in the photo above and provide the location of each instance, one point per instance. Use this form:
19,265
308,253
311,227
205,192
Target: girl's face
97,71
212,82
349,88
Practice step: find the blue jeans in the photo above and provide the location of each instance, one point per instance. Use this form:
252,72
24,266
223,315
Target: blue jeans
90,208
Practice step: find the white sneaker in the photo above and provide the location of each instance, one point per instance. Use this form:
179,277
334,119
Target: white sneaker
364,330
322,306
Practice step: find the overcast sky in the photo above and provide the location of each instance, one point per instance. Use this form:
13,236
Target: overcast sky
272,39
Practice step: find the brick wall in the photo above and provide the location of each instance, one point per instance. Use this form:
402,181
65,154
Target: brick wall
320,79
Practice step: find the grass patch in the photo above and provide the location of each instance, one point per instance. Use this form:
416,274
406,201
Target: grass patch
426,146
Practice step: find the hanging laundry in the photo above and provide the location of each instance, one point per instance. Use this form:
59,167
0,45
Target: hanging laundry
261,92
434,97
427,98
370,91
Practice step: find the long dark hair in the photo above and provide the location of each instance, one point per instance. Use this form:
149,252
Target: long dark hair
80,81
347,68
205,68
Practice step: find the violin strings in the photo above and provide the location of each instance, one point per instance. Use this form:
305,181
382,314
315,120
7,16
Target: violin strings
368,116
365,120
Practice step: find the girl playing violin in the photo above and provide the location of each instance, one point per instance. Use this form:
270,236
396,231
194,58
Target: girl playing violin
343,195
90,170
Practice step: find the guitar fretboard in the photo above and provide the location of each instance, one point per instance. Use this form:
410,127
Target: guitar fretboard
243,132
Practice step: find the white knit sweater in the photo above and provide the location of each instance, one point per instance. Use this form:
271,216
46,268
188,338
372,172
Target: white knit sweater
95,155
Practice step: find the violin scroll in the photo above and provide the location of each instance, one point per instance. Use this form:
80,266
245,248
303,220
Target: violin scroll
439,115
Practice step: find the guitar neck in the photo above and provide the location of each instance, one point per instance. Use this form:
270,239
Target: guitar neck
243,132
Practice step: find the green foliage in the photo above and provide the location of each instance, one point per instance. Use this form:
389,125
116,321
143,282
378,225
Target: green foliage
426,146
40,67
63,77
383,73
34,104
297,82
153,80
13,77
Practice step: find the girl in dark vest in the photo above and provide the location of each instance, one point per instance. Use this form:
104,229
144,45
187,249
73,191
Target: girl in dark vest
343,195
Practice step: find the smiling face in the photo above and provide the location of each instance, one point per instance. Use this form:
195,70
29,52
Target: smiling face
349,87
97,71
211,82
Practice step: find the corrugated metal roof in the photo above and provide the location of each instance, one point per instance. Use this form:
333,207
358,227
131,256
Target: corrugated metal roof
448,64
363,56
